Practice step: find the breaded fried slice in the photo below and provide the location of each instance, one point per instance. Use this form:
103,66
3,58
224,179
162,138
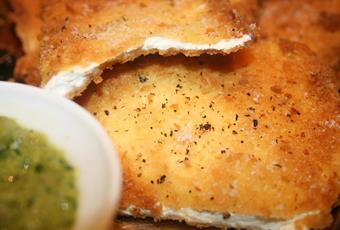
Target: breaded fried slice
26,16
314,23
249,140
81,38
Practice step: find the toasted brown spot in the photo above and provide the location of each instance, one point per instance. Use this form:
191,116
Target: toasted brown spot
330,22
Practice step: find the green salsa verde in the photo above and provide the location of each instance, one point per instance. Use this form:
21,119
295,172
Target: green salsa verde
37,184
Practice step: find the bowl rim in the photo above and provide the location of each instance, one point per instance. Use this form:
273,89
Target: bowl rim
110,152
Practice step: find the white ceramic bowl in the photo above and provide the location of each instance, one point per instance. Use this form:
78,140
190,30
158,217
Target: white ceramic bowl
84,142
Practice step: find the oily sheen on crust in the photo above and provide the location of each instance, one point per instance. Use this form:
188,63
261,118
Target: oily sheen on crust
252,134
78,34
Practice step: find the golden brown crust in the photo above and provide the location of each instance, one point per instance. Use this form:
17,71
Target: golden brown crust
247,9
26,70
311,22
26,16
253,133
82,32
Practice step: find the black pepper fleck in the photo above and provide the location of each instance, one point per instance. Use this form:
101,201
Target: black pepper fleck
161,179
278,165
206,126
142,79
251,109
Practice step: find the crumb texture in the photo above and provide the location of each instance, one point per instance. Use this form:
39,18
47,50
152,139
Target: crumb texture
224,134
76,33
